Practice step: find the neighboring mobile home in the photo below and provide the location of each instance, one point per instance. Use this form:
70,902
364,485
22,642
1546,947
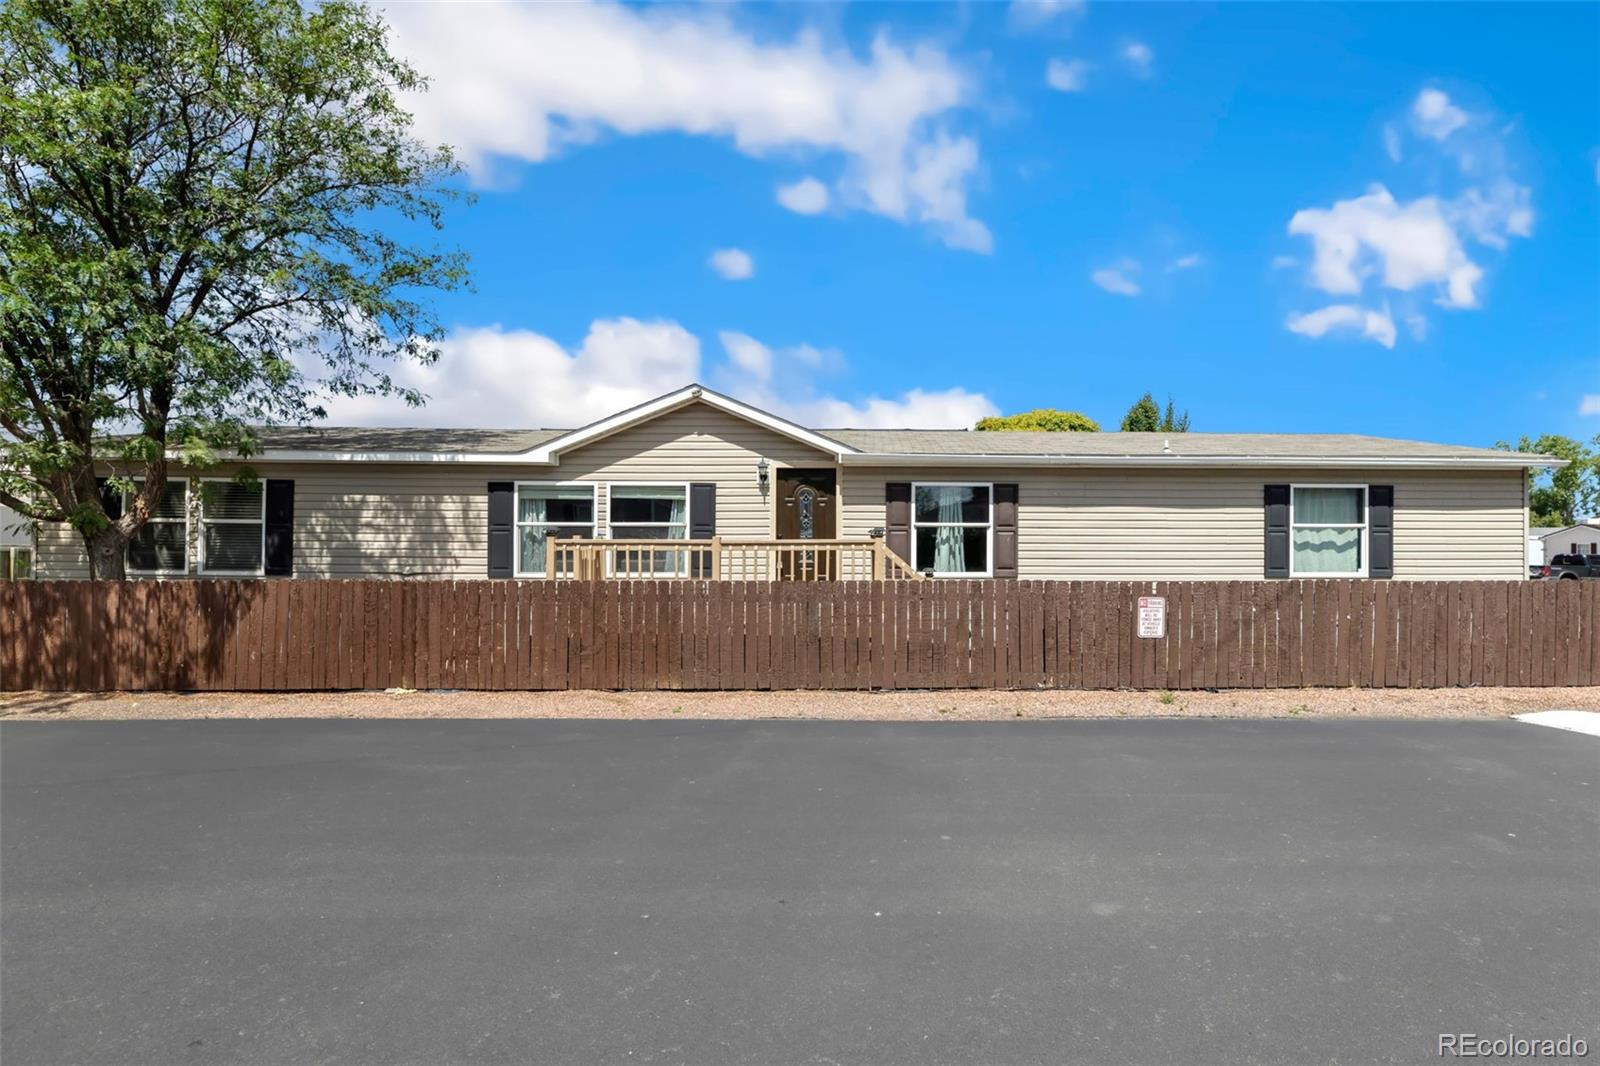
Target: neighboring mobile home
1581,539
693,464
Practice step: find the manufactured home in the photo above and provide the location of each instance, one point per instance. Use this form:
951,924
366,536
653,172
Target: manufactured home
650,490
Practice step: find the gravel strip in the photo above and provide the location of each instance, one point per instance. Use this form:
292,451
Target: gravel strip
834,706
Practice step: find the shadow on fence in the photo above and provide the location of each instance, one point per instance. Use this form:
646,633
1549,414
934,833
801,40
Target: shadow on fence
333,635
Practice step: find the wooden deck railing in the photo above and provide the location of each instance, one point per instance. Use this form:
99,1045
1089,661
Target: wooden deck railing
725,559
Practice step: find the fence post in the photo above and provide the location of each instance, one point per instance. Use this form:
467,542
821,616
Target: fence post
716,557
877,559
550,562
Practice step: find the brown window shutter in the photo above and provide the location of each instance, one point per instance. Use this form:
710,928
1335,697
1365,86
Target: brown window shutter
1005,531
897,518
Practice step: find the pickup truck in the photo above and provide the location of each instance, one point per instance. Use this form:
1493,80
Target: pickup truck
1572,567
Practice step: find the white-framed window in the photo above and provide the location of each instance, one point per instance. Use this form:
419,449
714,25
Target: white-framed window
1328,531
161,545
643,511
566,509
233,527
952,528
649,511
16,564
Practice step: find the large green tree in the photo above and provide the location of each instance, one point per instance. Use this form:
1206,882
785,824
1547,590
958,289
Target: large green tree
196,223
1145,417
1559,497
1041,418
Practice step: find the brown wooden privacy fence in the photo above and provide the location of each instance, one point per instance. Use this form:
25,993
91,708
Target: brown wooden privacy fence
268,635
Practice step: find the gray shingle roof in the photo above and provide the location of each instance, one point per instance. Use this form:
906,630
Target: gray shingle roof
930,442
1139,445
363,439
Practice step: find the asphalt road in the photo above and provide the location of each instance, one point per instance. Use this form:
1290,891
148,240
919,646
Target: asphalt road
520,891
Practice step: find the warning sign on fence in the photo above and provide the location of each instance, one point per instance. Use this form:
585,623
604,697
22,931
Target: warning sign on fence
1153,617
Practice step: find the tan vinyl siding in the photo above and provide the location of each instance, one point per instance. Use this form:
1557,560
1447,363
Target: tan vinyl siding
1207,524
59,553
696,443
431,519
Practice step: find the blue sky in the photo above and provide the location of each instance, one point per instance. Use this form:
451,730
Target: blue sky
932,230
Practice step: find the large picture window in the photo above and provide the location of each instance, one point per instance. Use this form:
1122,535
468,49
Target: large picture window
543,510
1328,529
161,546
232,527
952,527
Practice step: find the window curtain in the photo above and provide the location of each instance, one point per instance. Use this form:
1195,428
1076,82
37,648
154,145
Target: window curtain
1327,507
948,554
679,519
1321,546
530,523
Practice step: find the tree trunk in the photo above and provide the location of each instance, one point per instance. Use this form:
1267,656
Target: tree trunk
108,554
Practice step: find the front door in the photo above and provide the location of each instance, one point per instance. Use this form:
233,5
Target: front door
808,505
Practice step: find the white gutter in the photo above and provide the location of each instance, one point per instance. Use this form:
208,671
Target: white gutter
1512,461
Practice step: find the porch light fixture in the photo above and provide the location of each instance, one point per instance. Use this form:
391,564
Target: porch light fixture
761,474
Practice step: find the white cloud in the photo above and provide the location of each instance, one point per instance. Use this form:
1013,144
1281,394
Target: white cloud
920,409
1416,325
732,264
1589,404
513,378
1434,116
1391,142
752,358
1066,75
1032,14
1405,245
783,381
1494,213
1185,262
1377,325
808,196
1117,277
494,377
1138,57
1284,262
521,82
1423,243
936,184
